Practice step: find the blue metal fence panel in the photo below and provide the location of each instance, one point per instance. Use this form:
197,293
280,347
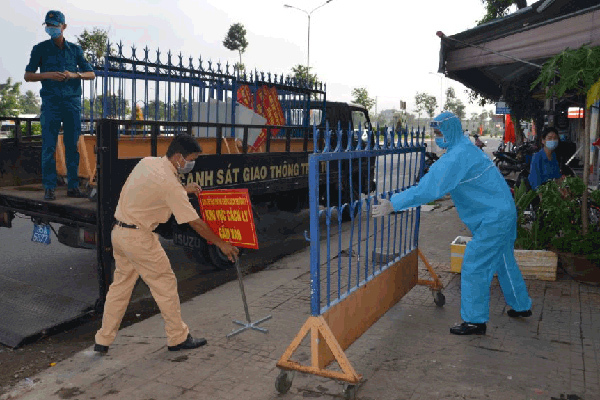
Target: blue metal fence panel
341,171
168,90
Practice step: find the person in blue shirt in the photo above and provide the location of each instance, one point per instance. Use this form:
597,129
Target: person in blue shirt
62,67
544,164
485,204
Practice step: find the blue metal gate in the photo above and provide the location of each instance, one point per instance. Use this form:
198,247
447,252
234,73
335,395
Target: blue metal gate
397,161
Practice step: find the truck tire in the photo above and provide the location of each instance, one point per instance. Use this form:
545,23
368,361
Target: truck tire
218,259
290,201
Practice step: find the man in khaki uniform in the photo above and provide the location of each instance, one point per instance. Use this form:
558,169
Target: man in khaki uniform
150,195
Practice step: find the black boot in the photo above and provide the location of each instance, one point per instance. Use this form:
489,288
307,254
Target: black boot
467,328
98,348
515,314
75,192
49,194
189,343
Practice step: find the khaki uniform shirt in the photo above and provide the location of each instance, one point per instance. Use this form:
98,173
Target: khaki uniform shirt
152,193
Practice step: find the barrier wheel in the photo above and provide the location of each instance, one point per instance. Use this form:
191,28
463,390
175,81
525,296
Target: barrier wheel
283,382
439,299
350,391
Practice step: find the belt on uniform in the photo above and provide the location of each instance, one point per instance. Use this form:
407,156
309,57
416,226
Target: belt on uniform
124,225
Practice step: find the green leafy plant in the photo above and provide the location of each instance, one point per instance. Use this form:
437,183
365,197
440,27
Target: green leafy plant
575,69
549,218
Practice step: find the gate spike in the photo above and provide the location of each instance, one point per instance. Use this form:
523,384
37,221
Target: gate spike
340,137
327,135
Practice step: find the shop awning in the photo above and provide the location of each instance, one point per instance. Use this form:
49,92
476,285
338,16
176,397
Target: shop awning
533,35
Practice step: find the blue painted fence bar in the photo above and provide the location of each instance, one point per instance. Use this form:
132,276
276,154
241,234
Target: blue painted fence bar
373,244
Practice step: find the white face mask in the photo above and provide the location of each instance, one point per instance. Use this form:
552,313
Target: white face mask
187,166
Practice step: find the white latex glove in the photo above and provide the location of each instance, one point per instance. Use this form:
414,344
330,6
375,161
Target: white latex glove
382,209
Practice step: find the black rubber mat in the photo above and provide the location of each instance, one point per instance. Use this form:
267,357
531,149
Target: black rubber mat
27,310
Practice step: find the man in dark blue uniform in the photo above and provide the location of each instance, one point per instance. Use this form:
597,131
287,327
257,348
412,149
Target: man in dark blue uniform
62,67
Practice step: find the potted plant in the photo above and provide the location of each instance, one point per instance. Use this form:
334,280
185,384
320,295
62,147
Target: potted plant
549,219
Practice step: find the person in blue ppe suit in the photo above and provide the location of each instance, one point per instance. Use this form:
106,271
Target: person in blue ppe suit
62,67
544,164
485,204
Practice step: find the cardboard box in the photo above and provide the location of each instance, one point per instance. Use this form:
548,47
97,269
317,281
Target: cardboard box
534,264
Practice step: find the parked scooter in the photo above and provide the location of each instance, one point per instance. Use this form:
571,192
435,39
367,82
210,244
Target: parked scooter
517,160
430,158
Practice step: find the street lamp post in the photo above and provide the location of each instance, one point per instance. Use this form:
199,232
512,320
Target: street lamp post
308,14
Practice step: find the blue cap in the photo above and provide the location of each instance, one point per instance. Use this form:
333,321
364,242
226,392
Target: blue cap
54,17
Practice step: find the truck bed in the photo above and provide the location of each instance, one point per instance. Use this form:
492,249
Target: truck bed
29,200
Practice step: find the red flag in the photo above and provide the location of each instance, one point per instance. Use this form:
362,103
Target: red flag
267,105
244,97
509,130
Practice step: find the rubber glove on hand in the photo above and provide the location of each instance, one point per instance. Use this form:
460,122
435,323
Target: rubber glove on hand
382,209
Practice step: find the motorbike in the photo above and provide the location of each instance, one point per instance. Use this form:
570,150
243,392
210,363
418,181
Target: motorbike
517,160
479,143
430,158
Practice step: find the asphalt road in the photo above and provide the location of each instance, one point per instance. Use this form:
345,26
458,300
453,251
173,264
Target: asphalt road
55,267
73,272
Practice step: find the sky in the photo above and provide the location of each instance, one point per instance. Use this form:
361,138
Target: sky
389,47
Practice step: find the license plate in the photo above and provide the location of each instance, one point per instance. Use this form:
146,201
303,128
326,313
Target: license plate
41,234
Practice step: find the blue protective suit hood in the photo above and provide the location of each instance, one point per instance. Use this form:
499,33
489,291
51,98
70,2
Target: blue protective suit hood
449,124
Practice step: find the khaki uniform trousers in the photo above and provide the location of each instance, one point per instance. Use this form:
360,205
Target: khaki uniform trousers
139,253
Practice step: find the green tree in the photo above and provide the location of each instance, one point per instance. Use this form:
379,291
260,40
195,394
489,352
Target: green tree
301,72
361,96
94,42
113,109
499,8
162,107
426,103
10,96
30,103
454,104
236,39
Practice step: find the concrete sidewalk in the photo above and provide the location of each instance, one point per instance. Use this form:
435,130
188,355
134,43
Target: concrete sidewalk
407,354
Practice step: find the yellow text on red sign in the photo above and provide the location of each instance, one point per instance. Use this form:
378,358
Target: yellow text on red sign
228,213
